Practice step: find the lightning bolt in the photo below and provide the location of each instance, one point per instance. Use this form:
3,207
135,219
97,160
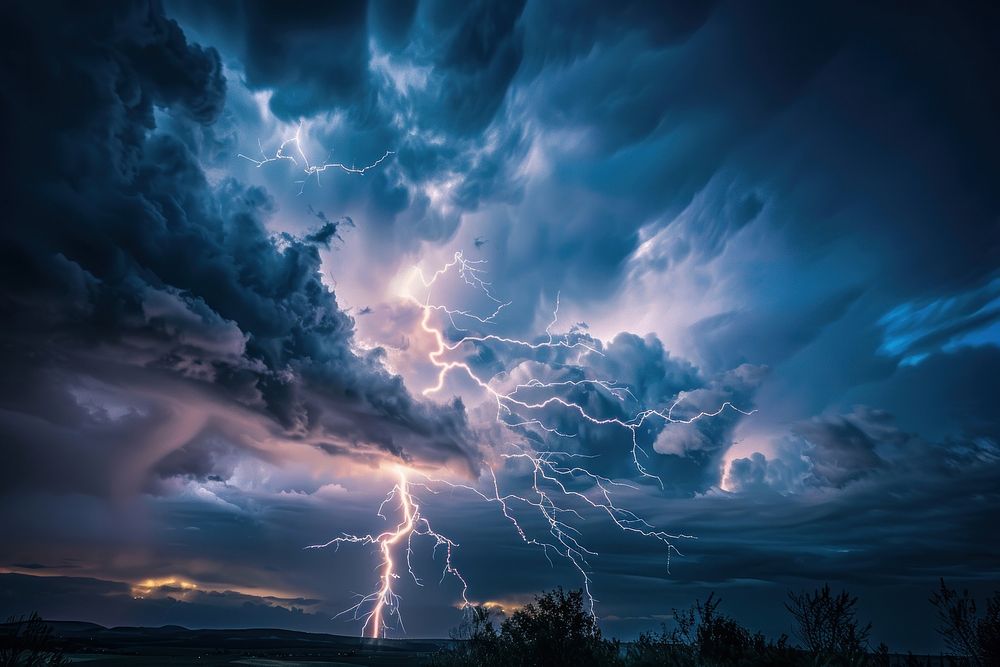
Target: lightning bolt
554,474
507,402
293,145
378,606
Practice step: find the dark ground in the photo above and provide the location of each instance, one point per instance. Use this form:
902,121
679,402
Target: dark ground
96,646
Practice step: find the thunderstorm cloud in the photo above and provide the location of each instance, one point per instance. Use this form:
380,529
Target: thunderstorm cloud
786,215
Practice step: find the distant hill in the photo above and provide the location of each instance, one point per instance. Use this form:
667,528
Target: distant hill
173,644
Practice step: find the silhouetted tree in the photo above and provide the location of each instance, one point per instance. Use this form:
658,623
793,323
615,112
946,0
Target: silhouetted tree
965,633
557,630
828,627
881,656
477,625
28,642
554,630
477,641
715,636
659,649
705,636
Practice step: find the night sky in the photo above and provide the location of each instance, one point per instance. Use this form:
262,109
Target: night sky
786,213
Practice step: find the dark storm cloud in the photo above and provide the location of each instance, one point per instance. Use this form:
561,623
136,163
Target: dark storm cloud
329,231
659,106
886,536
772,330
810,188
475,48
825,452
687,456
132,284
914,512
636,116
804,132
315,57
948,393
840,450
423,80
814,169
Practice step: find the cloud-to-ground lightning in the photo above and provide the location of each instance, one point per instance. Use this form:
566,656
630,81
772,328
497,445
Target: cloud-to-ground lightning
303,161
555,475
383,603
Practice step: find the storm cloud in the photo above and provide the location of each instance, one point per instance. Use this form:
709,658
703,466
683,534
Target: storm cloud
133,287
791,211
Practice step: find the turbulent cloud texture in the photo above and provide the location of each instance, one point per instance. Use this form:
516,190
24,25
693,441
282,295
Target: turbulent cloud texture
208,362
132,280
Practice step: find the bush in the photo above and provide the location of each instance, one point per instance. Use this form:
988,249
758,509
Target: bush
477,641
554,630
704,636
654,649
965,633
828,627
29,641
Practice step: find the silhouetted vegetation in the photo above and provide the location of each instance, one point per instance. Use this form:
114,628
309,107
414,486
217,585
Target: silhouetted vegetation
28,642
557,630
704,636
827,626
553,630
965,633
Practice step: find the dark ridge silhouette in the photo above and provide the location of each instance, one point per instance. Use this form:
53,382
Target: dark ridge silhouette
177,645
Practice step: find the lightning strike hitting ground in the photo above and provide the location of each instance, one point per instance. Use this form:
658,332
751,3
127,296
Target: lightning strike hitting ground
552,472
383,603
303,161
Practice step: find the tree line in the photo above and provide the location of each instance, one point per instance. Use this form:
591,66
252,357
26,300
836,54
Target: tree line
556,630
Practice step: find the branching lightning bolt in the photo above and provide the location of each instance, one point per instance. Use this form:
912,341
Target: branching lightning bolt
507,403
552,472
383,603
308,168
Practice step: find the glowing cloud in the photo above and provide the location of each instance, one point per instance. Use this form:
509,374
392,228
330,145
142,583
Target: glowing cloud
553,473
308,168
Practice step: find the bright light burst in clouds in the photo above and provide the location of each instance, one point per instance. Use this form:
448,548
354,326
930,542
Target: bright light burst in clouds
291,150
559,480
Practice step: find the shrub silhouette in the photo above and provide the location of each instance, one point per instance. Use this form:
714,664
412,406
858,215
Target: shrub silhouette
29,642
715,637
704,636
554,630
478,642
827,625
965,633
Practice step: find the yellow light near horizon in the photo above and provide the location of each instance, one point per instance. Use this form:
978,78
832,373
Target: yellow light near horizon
147,586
